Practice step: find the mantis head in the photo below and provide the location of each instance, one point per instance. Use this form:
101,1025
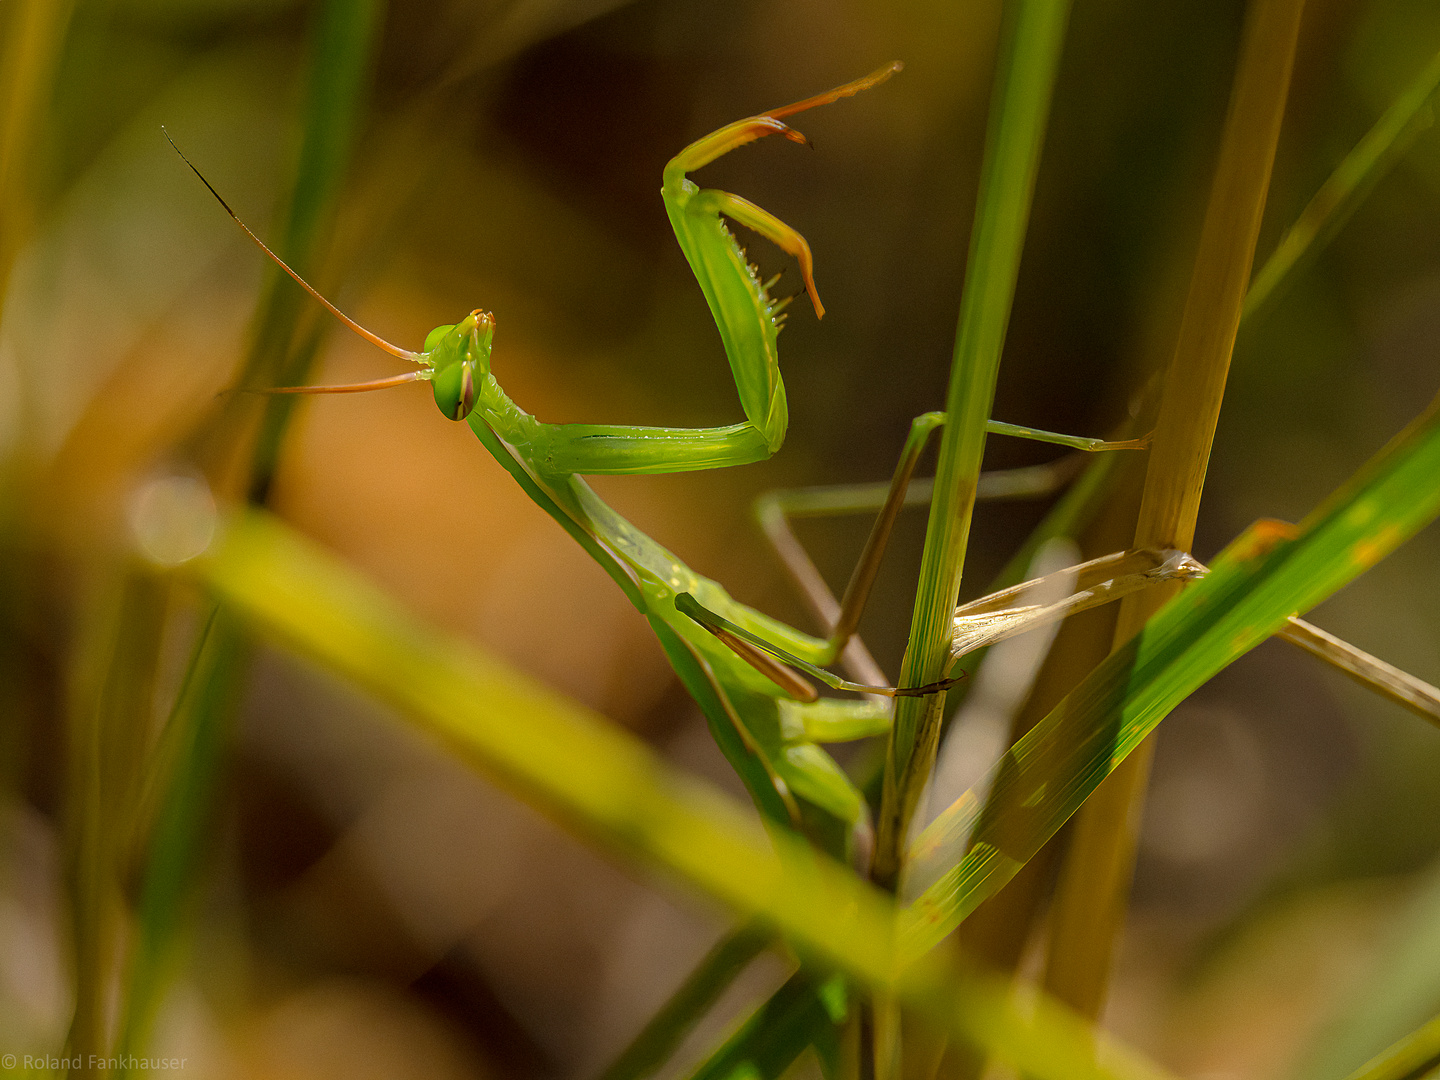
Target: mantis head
456,358
459,360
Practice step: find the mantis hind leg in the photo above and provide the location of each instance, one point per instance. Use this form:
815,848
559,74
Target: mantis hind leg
775,509
841,617
834,719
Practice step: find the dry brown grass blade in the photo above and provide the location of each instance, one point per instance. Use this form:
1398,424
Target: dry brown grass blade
1091,899
1369,671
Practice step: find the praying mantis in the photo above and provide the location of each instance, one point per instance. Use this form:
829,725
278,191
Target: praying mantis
746,670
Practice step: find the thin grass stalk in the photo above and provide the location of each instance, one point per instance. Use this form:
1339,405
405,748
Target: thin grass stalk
1091,898
1345,189
197,734
109,738
343,43
1029,58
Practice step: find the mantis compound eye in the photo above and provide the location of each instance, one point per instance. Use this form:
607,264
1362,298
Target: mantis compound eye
455,390
435,337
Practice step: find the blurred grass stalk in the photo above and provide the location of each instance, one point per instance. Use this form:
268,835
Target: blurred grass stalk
113,727
33,32
1091,896
1413,1057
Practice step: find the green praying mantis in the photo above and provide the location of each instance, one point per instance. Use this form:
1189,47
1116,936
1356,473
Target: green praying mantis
749,673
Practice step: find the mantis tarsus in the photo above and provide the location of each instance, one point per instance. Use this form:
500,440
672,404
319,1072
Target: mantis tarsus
739,664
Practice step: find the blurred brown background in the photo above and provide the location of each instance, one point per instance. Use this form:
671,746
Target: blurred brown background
376,910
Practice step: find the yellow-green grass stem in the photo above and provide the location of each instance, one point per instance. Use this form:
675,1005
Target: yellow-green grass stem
1032,39
1345,189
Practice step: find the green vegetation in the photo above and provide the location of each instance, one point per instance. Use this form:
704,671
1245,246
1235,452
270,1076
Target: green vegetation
212,848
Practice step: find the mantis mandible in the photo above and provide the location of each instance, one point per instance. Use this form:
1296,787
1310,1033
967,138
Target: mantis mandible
742,666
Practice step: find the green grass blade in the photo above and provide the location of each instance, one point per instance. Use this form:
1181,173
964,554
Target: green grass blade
605,784
345,38
192,757
1247,596
1365,166
110,727
1020,106
660,1037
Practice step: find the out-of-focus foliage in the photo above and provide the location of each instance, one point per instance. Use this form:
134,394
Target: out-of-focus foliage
367,903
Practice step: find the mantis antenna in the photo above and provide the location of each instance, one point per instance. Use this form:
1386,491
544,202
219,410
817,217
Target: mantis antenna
373,338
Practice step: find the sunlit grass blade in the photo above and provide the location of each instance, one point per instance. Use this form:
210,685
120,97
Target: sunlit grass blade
664,1032
604,784
1254,586
1020,106
1345,189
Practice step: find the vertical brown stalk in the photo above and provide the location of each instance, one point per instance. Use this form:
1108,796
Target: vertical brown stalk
33,33
1091,900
